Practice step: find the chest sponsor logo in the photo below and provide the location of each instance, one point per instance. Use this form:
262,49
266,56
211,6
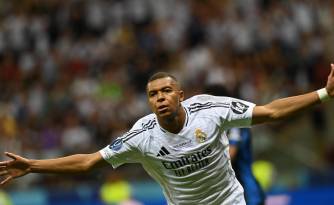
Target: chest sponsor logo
200,135
239,108
190,163
116,145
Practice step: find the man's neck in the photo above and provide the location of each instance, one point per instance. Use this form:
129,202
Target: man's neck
175,123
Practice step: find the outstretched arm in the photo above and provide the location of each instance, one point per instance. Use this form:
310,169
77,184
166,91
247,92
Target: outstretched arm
285,107
20,166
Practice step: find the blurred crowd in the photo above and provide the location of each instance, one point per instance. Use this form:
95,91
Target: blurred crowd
73,72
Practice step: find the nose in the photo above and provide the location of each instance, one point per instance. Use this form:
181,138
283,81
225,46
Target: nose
161,97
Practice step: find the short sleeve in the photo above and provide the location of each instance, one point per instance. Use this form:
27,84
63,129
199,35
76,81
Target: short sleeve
239,114
233,112
118,153
124,149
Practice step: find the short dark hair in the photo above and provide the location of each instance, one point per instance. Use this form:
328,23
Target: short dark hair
159,75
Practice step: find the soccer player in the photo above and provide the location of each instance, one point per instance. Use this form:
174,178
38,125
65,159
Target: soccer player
240,150
182,144
241,154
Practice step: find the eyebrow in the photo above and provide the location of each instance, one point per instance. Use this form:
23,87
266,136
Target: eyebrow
154,90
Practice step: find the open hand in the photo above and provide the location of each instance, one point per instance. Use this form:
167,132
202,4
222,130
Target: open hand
330,82
14,168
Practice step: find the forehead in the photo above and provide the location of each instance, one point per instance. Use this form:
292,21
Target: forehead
161,83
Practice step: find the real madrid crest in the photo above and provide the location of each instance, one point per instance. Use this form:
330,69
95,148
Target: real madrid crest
200,135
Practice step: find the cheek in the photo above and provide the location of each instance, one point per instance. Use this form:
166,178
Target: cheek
176,101
151,104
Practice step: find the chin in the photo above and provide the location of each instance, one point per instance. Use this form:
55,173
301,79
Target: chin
166,116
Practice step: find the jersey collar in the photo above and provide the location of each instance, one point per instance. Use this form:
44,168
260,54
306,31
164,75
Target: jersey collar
186,121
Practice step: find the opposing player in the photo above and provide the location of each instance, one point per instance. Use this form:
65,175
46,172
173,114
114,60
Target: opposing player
241,154
181,145
240,150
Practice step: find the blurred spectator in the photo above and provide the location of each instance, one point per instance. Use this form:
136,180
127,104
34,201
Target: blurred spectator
117,191
4,198
75,135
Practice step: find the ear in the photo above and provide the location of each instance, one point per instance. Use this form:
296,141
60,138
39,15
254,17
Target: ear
181,95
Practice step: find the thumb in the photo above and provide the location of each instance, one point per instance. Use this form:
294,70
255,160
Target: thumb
11,155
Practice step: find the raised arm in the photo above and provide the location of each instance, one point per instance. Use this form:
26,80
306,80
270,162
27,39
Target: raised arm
20,166
285,107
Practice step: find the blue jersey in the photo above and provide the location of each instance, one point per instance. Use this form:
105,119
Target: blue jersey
242,165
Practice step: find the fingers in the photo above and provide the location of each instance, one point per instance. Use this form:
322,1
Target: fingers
2,168
8,162
11,155
4,164
2,173
332,70
5,181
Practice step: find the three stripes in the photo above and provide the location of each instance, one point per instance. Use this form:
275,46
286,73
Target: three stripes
202,106
149,125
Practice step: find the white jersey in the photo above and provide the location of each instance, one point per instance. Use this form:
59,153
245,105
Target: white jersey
193,166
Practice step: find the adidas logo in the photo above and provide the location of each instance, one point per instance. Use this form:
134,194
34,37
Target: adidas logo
163,151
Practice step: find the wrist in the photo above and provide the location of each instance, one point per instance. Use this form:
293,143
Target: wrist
30,167
323,95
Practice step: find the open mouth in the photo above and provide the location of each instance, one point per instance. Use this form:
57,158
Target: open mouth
162,108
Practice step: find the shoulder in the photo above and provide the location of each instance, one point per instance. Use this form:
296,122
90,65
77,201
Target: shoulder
204,102
141,127
204,98
145,121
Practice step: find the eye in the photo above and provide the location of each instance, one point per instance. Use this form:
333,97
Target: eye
152,94
167,90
